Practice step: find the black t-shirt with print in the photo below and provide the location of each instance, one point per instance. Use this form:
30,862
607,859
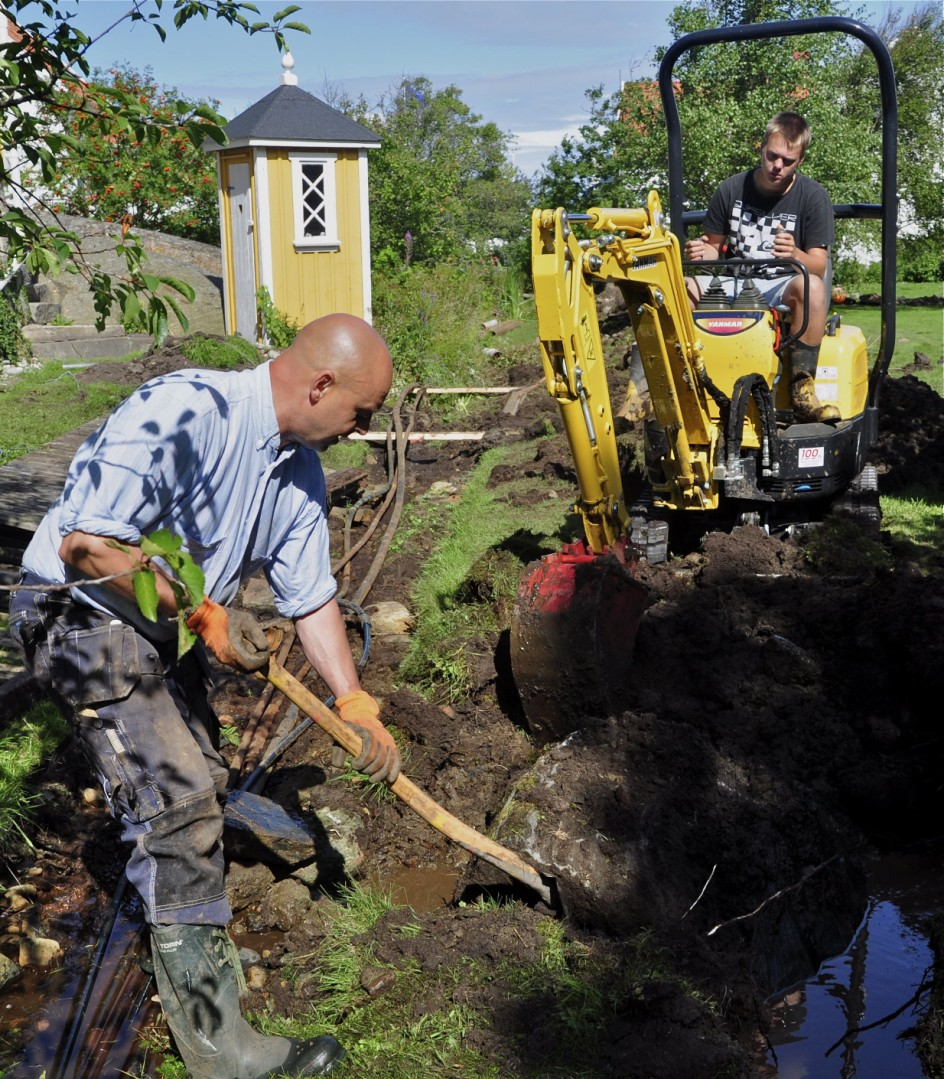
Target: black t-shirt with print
749,219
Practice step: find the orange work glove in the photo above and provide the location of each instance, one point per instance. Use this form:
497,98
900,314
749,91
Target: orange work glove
379,756
234,637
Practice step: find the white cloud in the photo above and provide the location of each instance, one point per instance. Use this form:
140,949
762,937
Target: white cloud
529,140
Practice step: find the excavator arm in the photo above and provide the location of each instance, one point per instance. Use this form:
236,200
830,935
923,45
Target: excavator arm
635,251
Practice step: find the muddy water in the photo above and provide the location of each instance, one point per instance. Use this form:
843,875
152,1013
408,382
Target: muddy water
823,1028
422,889
85,1016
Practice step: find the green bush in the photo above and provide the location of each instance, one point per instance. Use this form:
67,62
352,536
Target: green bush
920,259
224,353
432,317
278,329
851,273
13,344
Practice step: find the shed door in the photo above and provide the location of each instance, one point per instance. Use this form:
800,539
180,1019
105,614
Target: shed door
244,263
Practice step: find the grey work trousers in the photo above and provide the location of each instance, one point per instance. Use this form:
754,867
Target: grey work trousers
144,721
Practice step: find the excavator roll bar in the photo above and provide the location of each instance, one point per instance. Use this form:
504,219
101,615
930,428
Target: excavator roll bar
886,210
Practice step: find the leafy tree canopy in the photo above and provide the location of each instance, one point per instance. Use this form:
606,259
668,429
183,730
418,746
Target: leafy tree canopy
727,92
168,185
441,183
916,43
46,82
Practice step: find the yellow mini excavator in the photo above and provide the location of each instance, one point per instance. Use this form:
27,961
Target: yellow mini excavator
721,443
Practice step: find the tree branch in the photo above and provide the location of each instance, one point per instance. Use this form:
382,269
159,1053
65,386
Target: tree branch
776,895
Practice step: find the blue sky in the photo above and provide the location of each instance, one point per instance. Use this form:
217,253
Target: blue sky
523,64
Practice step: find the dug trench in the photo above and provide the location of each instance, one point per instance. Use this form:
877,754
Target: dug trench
709,837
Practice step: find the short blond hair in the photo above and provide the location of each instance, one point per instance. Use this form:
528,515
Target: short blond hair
794,130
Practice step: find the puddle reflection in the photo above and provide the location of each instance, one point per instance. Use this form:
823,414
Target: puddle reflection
880,971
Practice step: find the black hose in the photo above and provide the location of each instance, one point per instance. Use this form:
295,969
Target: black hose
64,1070
747,387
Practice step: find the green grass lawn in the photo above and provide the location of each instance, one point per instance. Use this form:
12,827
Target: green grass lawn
40,405
43,403
917,329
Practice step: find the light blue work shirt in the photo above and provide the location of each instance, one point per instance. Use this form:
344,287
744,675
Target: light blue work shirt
198,453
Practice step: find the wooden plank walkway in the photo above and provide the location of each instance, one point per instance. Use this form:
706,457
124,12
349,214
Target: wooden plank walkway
30,484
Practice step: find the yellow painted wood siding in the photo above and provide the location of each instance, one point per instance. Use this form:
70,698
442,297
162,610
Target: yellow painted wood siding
308,284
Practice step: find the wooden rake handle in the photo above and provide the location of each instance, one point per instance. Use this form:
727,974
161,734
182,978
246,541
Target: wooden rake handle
407,791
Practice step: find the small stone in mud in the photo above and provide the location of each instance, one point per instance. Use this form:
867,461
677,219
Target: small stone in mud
389,617
92,796
20,896
9,971
376,981
39,952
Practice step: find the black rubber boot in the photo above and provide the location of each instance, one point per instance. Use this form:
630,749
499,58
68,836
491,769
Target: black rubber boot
807,407
199,980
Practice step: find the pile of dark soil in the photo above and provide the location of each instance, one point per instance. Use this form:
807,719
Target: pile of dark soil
779,725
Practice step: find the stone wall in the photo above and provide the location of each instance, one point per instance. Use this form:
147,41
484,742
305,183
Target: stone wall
67,295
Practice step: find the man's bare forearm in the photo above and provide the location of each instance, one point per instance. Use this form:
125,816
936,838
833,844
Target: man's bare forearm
323,636
94,557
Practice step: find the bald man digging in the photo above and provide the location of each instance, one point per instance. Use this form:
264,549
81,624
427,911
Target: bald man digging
227,461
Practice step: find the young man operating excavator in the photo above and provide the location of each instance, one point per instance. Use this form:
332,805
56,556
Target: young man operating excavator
774,212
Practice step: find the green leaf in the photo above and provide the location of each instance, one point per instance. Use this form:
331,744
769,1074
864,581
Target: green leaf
145,592
180,286
12,72
158,321
161,544
186,638
192,578
175,307
131,311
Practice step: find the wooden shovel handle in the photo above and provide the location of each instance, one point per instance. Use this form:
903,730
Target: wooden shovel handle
407,791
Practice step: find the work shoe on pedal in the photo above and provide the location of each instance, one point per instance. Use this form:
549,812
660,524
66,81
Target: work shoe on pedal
807,407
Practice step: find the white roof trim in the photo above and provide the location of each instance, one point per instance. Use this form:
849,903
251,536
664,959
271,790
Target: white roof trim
293,144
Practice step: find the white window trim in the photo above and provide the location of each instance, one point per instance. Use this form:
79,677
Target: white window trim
330,241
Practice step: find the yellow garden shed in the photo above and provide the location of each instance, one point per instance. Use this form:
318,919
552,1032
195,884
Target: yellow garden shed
294,211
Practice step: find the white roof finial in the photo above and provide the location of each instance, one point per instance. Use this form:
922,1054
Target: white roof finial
288,62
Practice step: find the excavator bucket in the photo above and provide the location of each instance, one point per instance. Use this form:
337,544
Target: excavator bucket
572,635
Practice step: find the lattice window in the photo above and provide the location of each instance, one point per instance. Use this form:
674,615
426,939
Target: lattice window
314,210
313,184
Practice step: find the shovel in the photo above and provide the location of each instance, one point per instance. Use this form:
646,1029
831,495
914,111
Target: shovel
407,791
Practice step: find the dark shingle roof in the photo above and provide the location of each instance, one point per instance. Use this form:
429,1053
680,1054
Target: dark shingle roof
292,114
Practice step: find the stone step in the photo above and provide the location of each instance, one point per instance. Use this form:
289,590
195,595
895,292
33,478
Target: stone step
83,342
